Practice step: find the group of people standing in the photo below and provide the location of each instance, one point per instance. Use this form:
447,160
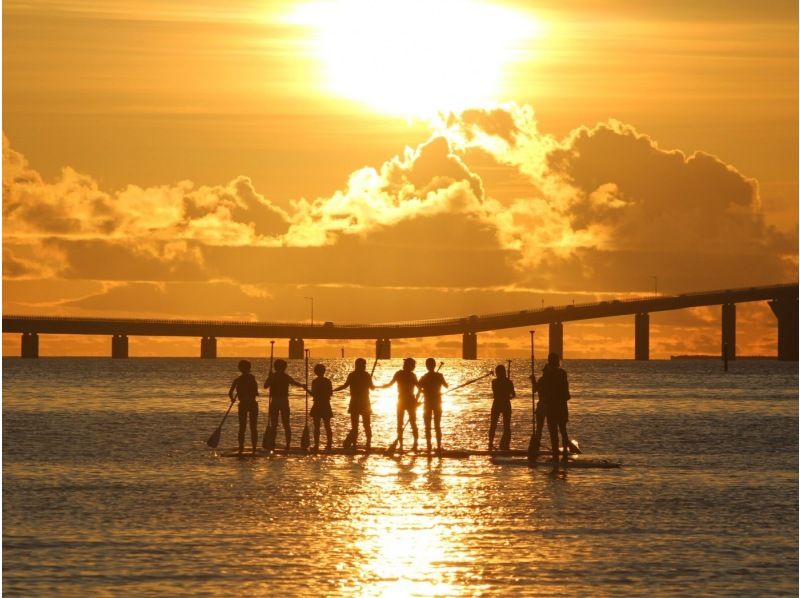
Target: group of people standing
552,387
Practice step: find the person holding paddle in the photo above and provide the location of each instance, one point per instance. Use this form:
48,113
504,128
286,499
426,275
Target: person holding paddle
321,391
554,393
502,391
431,387
407,385
359,381
245,388
278,383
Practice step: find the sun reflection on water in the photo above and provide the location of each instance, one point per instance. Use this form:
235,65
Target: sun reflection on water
405,541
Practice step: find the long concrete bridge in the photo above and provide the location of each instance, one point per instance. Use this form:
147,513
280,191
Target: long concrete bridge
782,299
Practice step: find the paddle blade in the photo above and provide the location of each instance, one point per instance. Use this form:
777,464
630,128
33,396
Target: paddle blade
574,448
392,447
213,440
348,440
305,441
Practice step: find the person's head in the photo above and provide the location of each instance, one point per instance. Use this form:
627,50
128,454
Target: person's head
409,364
553,360
361,364
500,371
244,366
430,363
280,365
319,369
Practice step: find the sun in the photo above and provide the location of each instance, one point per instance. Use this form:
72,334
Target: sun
415,58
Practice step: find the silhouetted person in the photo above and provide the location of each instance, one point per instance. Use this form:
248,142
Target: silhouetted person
431,386
278,383
246,389
407,385
359,381
503,392
321,391
554,392
541,415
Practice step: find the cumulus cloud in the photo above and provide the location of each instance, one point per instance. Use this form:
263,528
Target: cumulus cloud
488,199
74,207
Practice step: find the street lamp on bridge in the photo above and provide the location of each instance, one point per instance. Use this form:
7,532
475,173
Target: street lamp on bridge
655,284
312,308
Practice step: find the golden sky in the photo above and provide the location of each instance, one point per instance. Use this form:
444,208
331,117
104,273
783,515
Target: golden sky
397,160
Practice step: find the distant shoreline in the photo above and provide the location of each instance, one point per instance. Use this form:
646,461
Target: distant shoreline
719,357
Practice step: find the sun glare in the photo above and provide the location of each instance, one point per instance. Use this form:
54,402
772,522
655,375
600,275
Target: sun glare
416,57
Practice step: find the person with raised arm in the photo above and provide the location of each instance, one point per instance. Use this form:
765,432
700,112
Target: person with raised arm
553,389
321,391
431,385
502,391
407,385
359,381
245,389
278,383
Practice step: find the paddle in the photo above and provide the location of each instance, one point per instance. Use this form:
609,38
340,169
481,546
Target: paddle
305,440
213,440
393,447
351,435
467,383
532,441
268,442
505,439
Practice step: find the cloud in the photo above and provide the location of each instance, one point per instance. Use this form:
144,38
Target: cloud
488,200
74,207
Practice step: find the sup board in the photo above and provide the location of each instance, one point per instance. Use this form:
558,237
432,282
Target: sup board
571,463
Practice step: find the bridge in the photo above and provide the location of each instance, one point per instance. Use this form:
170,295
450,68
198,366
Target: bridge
782,299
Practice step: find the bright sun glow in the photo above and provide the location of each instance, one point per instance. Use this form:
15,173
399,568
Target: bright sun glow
416,57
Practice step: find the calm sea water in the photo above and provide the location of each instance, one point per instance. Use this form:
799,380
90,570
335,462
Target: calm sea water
108,488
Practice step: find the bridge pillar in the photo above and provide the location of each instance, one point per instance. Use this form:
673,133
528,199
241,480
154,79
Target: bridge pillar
469,346
729,331
119,346
786,312
383,348
208,347
556,338
296,348
30,345
642,337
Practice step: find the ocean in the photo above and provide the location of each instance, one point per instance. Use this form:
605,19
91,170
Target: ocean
109,489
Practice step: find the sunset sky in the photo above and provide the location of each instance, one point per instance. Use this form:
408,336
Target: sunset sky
397,161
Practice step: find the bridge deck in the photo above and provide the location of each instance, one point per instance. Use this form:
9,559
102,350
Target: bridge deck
413,329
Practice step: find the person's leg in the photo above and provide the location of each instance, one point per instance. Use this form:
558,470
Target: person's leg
412,418
400,413
317,421
254,426
493,426
437,420
365,417
354,427
562,426
540,418
273,422
552,426
287,425
328,433
505,441
427,413
242,426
